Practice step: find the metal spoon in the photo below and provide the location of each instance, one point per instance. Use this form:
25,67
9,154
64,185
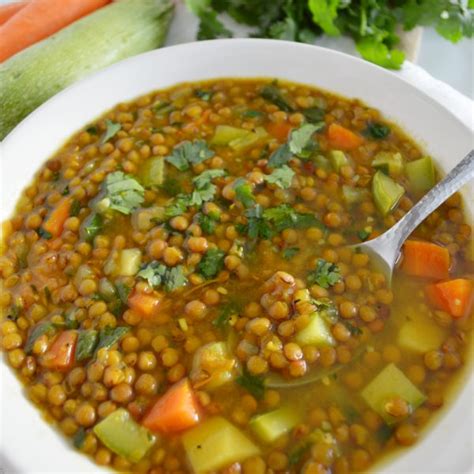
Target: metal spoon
384,250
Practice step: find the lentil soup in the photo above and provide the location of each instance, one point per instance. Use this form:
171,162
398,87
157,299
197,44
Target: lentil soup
179,295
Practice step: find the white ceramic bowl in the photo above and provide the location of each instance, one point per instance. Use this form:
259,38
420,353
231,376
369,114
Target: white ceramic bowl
30,445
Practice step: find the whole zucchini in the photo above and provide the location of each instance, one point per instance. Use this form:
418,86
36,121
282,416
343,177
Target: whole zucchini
122,29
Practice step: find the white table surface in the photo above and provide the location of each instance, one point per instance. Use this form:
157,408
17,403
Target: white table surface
451,63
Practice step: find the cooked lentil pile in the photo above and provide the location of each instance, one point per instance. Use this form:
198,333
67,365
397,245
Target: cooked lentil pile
179,294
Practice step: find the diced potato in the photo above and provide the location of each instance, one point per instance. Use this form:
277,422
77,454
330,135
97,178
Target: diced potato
128,262
153,171
389,383
316,333
213,366
420,334
270,426
216,443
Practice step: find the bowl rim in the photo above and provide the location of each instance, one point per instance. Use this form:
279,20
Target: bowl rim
270,42
273,45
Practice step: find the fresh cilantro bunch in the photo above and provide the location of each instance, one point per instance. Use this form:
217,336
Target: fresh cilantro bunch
371,23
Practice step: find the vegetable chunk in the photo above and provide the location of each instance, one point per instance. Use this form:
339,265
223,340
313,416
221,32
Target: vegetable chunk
216,443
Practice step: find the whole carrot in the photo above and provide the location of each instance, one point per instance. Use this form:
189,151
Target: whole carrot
40,19
10,9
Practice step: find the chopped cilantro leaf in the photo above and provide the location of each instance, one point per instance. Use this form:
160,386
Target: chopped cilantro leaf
212,263
204,179
44,234
290,252
163,108
79,438
124,193
325,274
92,226
171,186
86,342
243,192
92,130
109,336
301,142
40,329
257,227
377,131
354,330
281,177
208,222
111,130
252,114
189,153
204,94
225,314
280,156
178,206
285,217
254,384
313,114
273,94
363,234
158,274
75,208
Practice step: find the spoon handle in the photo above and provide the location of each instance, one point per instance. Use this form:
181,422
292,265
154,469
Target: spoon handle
459,175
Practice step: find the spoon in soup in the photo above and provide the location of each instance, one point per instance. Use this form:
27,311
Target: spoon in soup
384,251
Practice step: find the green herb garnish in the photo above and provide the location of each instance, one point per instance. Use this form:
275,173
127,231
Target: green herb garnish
273,94
111,130
377,131
157,274
211,263
290,252
243,192
325,274
86,343
254,384
281,177
189,153
109,336
123,192
92,227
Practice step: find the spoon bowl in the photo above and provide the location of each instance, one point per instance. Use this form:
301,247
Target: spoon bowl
384,251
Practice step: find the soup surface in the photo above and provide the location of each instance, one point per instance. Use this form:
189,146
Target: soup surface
180,296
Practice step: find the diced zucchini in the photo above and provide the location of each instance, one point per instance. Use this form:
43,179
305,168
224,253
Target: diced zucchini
270,426
213,366
129,261
110,34
389,383
322,162
420,334
122,435
225,134
244,142
144,219
388,162
153,171
316,333
354,195
237,138
338,159
386,192
421,174
216,443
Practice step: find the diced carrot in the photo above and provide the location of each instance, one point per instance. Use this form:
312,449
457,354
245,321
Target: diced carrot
145,304
279,130
57,217
40,19
453,296
60,356
425,259
342,138
10,9
176,410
